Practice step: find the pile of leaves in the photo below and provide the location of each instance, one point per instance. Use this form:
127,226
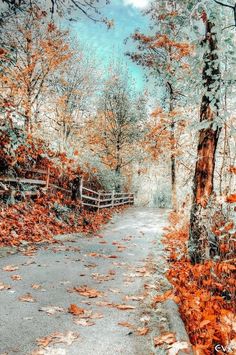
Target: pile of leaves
205,292
47,216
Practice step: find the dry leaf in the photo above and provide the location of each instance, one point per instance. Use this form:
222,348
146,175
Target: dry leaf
88,292
10,268
16,277
4,287
126,324
75,310
179,345
166,338
27,298
123,307
163,297
67,338
134,298
142,331
83,322
52,309
36,286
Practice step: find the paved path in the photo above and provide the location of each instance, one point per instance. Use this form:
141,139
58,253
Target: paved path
122,262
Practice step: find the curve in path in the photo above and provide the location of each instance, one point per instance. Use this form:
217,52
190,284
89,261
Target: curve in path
121,263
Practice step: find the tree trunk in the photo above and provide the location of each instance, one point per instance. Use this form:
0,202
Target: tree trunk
201,245
173,158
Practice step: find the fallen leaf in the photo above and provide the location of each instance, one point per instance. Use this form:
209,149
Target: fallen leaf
36,286
75,310
163,297
16,277
10,268
142,331
203,323
179,345
123,307
51,309
134,298
166,338
67,338
4,287
26,298
126,324
83,322
88,292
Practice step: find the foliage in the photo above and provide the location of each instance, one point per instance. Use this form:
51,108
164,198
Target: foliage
205,292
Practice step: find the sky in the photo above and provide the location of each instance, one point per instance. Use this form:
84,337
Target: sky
109,43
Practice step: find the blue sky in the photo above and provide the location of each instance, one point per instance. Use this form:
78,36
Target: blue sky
109,44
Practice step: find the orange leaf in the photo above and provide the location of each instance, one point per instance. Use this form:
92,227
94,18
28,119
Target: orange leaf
75,310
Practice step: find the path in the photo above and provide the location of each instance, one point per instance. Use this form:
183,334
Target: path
119,262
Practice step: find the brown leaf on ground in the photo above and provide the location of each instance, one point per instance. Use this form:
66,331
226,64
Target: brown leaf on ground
16,277
36,286
51,309
4,286
127,325
142,331
166,338
75,310
88,292
163,297
103,303
123,307
83,322
94,254
67,338
26,298
10,268
176,347
133,298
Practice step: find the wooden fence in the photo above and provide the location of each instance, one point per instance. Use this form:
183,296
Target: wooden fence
89,198
102,199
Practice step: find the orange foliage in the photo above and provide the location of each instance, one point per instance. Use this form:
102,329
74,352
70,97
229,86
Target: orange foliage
206,292
37,221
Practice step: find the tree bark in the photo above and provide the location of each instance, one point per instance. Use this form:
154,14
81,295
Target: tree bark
201,245
173,158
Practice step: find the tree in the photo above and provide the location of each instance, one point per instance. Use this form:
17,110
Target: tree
202,244
37,49
165,57
118,124
75,89
69,8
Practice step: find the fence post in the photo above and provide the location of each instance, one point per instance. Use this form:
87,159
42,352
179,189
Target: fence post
113,198
48,178
81,189
99,199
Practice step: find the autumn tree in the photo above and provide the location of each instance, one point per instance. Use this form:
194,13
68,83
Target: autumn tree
36,49
118,124
164,54
202,244
74,93
69,9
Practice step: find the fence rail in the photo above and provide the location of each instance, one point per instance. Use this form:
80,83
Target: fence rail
89,197
100,199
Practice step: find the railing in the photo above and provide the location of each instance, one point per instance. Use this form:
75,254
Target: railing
89,198
102,199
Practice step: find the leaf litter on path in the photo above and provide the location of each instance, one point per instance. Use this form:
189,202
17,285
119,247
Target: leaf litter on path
51,309
86,291
57,337
27,298
16,277
10,268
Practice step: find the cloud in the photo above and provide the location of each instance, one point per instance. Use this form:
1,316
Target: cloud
141,4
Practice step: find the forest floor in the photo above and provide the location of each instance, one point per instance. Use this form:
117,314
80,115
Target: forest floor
88,294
